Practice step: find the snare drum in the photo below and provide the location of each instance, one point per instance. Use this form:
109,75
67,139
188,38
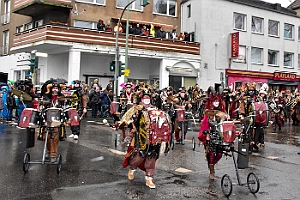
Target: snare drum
72,117
229,131
29,118
180,115
114,107
54,117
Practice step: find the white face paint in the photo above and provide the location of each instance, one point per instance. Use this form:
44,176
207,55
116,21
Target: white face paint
216,103
146,101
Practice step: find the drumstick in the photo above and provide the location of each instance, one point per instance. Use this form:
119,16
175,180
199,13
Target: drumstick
81,116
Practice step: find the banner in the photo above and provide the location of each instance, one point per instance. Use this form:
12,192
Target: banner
235,44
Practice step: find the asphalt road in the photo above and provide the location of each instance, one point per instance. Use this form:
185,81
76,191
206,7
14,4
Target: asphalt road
91,169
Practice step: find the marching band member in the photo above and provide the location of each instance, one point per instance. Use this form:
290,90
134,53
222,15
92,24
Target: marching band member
141,154
214,102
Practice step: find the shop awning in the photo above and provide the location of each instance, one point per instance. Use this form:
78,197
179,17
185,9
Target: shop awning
273,82
169,26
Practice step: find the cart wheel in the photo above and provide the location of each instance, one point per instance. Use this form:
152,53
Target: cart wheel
253,183
194,143
226,185
26,161
58,163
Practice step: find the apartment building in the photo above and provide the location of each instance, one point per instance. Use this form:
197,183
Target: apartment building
67,31
245,41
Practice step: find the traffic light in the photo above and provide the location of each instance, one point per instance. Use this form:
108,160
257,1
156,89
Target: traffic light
33,64
112,65
121,68
145,3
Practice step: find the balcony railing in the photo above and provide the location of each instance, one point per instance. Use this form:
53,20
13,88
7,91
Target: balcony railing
88,36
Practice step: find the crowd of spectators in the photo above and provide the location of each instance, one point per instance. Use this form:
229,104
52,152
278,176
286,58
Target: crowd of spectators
144,30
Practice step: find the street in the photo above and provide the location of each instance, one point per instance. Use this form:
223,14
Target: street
91,169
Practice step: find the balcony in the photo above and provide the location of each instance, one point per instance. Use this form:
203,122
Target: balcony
37,7
66,36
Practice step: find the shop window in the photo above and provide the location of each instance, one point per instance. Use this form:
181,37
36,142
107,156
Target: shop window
288,31
288,59
257,25
239,21
165,7
273,28
273,57
256,55
134,6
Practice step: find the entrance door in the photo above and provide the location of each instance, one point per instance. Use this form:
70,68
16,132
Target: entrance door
175,82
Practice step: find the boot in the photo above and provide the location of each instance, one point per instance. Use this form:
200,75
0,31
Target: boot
211,172
131,174
149,182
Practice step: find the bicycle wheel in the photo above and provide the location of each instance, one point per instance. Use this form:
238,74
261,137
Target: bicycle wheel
26,161
253,183
226,185
193,143
58,167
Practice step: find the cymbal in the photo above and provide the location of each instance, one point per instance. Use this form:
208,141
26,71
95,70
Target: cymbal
20,93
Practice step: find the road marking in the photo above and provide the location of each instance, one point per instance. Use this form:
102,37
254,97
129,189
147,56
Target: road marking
183,170
272,157
117,152
97,159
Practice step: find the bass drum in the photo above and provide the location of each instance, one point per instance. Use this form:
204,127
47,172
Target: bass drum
260,110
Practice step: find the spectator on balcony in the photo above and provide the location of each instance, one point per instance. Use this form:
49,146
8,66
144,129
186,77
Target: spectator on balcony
101,25
186,36
137,30
145,31
120,28
173,35
181,36
152,31
108,27
161,33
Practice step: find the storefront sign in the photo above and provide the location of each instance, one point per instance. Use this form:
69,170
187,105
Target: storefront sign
235,44
285,76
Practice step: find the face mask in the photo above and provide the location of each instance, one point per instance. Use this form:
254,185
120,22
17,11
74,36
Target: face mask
216,104
146,101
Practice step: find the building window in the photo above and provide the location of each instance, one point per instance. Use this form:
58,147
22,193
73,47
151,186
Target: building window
299,33
5,18
288,31
288,59
256,55
189,11
257,25
20,29
272,57
28,26
100,2
239,21
273,28
134,6
166,7
38,23
85,24
5,42
298,61
242,55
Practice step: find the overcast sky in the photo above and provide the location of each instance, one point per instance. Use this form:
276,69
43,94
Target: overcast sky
284,3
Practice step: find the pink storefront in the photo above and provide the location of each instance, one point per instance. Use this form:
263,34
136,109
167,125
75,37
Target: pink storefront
276,80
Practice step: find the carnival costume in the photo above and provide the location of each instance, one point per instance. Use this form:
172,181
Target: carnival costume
215,111
149,128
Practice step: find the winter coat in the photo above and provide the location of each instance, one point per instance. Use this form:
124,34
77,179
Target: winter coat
104,98
94,98
11,104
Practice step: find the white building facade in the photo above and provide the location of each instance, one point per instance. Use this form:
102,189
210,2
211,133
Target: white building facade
268,42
